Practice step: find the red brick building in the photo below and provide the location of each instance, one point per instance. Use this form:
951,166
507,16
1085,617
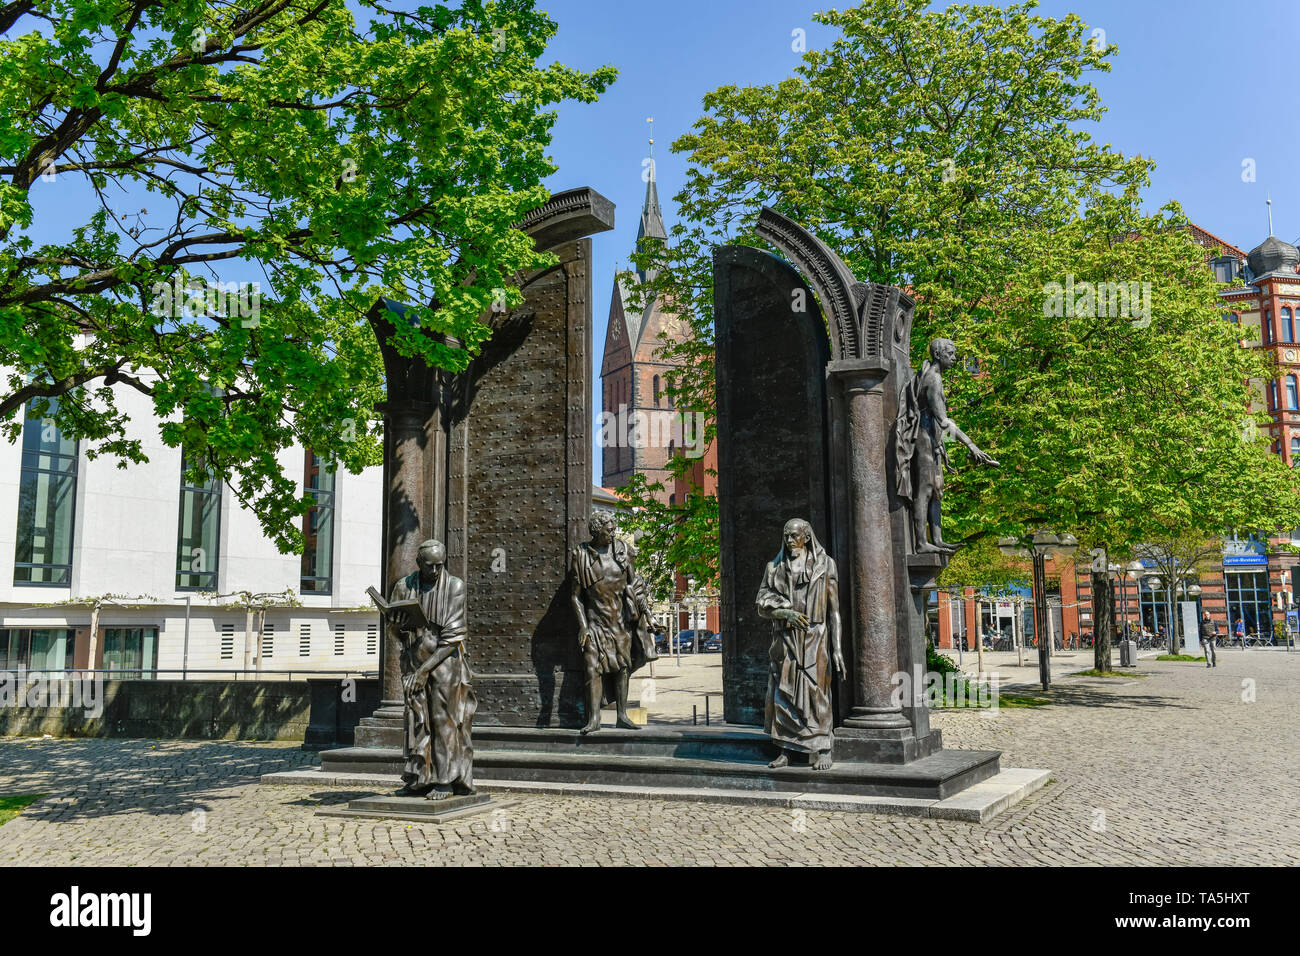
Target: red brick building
1246,583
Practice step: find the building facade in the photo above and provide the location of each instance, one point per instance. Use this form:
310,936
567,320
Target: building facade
137,570
1252,582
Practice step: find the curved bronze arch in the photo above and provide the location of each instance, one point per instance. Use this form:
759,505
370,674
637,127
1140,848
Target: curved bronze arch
826,272
867,320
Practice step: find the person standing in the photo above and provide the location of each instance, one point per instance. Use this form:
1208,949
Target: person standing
1240,632
1208,631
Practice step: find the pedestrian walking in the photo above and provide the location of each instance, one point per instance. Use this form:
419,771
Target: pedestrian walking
1240,632
1208,632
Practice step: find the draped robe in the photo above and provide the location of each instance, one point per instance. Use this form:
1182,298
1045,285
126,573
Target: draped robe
798,715
437,745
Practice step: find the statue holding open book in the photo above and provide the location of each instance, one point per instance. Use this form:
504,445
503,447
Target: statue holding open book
426,615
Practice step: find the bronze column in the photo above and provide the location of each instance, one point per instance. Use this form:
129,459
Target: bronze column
875,637
412,513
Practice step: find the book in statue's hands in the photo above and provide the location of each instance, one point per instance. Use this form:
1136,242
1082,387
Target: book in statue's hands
411,607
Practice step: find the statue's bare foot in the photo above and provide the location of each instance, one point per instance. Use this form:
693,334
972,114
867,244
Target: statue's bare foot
438,793
823,761
781,761
626,722
591,727
925,547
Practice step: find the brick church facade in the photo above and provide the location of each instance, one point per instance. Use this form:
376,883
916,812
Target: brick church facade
641,428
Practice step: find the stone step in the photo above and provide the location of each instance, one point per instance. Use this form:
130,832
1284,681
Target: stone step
935,777
979,803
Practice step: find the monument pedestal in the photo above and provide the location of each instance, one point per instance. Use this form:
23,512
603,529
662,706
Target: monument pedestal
422,809
723,758
897,745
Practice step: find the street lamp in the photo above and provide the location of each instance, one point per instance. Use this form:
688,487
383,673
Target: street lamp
1039,546
1121,574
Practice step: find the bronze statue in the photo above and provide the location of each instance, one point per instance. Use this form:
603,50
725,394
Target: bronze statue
800,595
610,601
426,611
921,457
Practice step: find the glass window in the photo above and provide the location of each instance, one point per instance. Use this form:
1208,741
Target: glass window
1292,393
1248,602
47,494
1231,317
1288,326
199,531
36,648
130,652
1272,394
656,391
318,528
1268,326
1295,451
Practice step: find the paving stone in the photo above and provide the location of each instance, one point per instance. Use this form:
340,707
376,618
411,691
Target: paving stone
1178,769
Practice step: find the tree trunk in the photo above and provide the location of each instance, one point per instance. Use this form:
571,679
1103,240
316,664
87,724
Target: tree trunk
1103,617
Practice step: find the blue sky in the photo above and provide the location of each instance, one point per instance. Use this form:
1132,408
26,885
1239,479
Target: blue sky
1199,86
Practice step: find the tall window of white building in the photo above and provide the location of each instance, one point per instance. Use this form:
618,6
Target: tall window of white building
199,532
47,494
318,528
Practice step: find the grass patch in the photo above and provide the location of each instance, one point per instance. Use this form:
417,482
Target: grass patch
15,803
1179,657
1021,700
1096,673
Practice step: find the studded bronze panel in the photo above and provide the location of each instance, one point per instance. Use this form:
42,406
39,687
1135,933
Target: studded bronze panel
772,447
520,488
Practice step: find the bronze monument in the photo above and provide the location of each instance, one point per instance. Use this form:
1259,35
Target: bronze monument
923,423
609,600
800,595
426,617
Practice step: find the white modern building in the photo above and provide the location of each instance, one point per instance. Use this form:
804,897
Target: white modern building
131,569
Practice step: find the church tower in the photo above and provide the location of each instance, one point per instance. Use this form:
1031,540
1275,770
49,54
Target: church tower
632,376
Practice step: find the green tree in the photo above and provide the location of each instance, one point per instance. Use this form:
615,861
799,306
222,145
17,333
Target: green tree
949,152
333,161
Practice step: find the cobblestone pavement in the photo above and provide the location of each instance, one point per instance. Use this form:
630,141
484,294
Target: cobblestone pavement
1182,767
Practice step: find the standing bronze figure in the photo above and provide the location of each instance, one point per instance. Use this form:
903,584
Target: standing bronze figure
800,595
427,613
921,457
609,600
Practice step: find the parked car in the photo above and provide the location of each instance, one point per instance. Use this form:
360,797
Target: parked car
686,640
712,644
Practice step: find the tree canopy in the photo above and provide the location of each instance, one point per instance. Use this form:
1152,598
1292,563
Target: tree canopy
281,142
949,152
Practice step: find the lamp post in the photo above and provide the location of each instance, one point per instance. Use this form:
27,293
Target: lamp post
1039,546
1122,574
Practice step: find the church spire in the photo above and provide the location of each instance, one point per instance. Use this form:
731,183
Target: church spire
652,217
